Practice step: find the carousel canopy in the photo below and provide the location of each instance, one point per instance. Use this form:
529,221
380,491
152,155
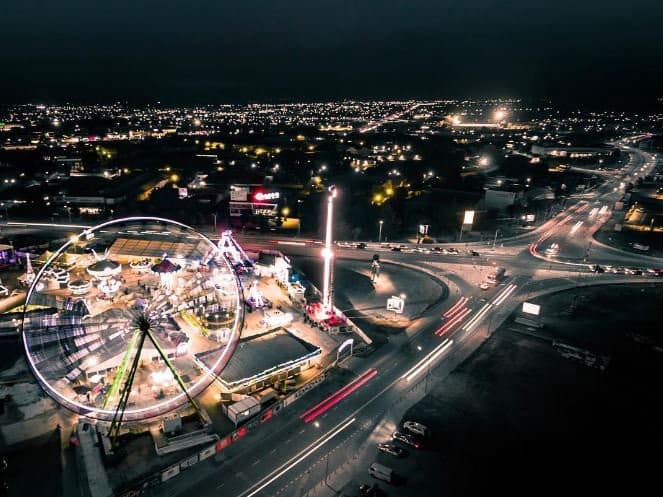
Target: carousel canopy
105,266
165,266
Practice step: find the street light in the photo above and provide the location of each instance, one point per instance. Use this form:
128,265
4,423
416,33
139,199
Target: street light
327,252
380,232
495,239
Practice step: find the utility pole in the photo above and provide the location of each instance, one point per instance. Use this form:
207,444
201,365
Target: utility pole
495,239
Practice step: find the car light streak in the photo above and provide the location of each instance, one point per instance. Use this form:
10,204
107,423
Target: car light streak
427,361
453,322
456,307
504,295
477,317
482,311
576,227
299,244
322,407
283,469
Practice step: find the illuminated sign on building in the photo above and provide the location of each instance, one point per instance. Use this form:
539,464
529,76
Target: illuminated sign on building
260,196
239,193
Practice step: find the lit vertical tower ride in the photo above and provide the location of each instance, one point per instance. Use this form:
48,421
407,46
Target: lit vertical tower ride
328,253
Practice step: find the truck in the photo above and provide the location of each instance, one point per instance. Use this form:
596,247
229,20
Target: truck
381,472
496,276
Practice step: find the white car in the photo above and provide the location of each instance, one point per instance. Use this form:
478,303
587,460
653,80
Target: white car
416,428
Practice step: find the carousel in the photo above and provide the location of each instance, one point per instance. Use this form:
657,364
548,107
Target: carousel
167,272
103,268
79,287
140,265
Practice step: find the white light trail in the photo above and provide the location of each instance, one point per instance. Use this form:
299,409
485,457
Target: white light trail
477,317
428,360
287,466
576,227
474,318
504,295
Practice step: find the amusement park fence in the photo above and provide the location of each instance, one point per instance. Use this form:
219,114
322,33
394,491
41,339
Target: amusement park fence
146,484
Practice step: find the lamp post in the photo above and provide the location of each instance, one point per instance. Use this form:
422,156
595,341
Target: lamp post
214,216
495,239
380,232
327,252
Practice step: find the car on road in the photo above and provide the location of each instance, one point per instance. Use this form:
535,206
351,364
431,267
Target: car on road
553,249
360,245
485,285
416,428
407,439
451,251
596,268
634,271
391,449
474,253
618,270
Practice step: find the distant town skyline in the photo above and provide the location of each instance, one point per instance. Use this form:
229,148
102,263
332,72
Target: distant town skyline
208,52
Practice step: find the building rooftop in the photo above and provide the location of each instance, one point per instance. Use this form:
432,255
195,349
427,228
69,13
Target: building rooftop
262,354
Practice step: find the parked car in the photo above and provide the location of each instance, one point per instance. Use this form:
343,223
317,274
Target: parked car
391,449
416,428
381,472
407,439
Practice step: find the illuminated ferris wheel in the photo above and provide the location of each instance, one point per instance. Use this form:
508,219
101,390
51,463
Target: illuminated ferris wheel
148,317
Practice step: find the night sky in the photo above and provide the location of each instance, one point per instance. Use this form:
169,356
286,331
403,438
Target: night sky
216,51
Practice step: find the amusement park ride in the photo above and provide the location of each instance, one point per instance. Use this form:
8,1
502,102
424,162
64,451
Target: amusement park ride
104,334
143,324
116,337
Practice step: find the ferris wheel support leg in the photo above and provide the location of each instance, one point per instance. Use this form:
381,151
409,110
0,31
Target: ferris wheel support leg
114,430
121,372
175,375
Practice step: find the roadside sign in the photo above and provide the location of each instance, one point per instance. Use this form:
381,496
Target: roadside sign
395,304
533,309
